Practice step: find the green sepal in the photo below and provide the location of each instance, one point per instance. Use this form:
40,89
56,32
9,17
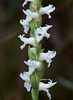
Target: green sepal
38,3
31,54
34,81
38,46
41,50
34,94
31,7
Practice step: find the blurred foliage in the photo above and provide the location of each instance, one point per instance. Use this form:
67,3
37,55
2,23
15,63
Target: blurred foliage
11,58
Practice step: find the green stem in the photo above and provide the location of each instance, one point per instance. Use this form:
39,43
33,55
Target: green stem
37,75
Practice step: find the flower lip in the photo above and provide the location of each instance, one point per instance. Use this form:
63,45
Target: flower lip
45,87
26,41
47,10
47,56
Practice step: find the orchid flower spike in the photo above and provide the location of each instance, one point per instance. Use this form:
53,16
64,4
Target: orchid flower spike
33,65
45,87
41,32
47,56
29,17
47,10
25,2
27,84
30,41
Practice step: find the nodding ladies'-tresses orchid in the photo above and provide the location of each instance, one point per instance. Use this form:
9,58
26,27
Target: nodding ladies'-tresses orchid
30,40
47,56
33,65
36,54
47,10
41,32
25,76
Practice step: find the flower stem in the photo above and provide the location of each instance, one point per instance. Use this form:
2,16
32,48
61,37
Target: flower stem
37,75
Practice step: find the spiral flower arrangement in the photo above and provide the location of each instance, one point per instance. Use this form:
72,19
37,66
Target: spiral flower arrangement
33,78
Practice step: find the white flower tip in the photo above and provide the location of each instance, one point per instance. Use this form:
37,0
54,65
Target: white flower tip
47,36
23,11
54,53
51,83
22,46
24,3
49,16
49,95
21,76
19,36
50,26
54,8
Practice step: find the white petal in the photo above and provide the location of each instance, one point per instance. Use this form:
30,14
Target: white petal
30,41
45,87
33,65
25,76
47,56
27,85
47,10
25,24
31,15
31,70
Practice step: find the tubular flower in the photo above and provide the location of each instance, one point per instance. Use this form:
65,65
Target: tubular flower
47,10
41,32
25,2
30,41
47,56
33,65
45,87
29,17
25,24
27,84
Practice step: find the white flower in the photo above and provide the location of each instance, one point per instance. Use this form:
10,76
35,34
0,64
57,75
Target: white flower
29,17
42,32
45,87
47,56
33,65
47,10
27,84
30,41
25,2
25,24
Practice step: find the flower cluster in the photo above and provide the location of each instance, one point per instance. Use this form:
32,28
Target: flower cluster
39,34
